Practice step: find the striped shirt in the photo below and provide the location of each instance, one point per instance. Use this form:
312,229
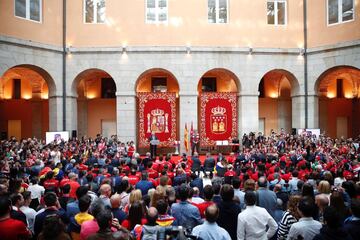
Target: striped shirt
284,226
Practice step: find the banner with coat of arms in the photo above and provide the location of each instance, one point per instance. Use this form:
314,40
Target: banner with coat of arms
218,117
157,113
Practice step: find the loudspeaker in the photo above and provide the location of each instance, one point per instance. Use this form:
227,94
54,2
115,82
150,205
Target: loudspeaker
293,131
74,134
3,136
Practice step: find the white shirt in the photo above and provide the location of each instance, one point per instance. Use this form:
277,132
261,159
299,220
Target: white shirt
211,231
36,191
197,200
30,216
306,227
252,223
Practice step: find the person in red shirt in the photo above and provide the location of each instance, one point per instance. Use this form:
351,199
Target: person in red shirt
152,172
133,179
230,172
11,229
74,185
208,195
51,182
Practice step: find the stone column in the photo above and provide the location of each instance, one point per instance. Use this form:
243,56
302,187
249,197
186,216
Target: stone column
248,113
298,111
37,124
284,114
126,121
82,114
71,114
313,111
188,113
55,113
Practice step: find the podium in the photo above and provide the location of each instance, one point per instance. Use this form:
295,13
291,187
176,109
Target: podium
154,142
223,147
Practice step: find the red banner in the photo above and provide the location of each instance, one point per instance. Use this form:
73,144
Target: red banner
218,118
157,112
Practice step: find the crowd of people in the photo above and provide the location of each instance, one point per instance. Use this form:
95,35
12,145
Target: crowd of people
279,186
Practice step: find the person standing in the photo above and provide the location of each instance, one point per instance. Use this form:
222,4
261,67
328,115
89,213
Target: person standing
267,199
153,137
255,222
210,229
195,142
306,227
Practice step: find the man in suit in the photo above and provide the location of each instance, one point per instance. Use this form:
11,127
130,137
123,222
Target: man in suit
209,164
195,142
152,146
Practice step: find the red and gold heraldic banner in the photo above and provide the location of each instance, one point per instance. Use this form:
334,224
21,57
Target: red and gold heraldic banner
218,121
157,112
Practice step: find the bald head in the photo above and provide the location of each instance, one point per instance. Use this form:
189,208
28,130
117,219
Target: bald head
262,182
151,216
105,190
115,201
212,213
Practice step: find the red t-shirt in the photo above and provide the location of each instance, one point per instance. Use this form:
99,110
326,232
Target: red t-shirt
73,187
202,207
51,183
13,229
133,180
126,223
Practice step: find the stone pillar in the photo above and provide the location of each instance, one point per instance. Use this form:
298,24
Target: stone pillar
55,113
248,113
284,114
126,121
82,121
298,111
188,113
356,117
37,124
71,114
313,111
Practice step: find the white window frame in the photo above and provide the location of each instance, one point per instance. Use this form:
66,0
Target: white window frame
157,13
94,13
217,12
340,21
276,20
27,9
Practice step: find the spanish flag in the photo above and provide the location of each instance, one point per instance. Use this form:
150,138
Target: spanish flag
186,138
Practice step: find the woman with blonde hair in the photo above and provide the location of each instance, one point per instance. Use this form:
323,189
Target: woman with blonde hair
135,196
324,188
290,217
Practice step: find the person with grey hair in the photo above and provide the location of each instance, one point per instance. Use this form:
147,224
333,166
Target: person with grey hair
266,198
210,229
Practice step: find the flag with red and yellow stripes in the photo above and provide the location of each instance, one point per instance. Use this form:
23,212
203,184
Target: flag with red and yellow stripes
186,138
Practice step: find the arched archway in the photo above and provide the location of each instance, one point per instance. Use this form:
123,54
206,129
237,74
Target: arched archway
276,89
157,80
24,104
218,80
96,103
155,84
218,110
338,90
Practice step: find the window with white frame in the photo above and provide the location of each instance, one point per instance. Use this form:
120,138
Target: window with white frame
340,11
94,11
156,11
218,11
276,12
29,9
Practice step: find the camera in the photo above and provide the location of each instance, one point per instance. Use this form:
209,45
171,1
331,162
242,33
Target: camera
174,232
